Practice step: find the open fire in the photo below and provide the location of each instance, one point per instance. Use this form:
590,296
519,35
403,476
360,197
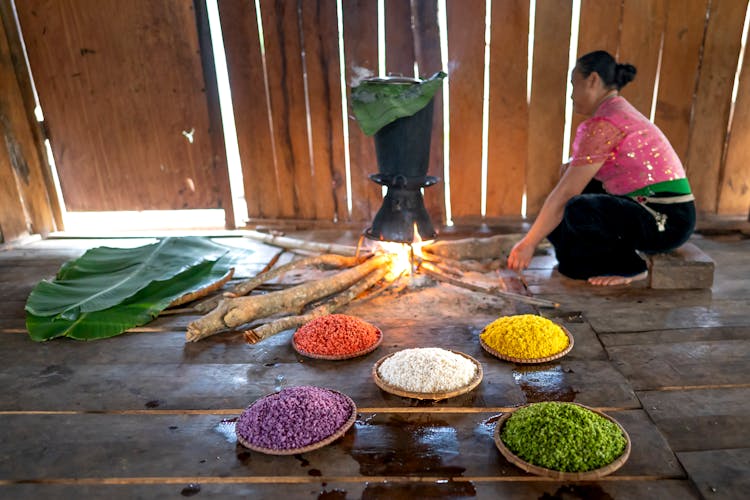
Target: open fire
405,257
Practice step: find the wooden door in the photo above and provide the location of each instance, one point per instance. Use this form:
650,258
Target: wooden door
123,92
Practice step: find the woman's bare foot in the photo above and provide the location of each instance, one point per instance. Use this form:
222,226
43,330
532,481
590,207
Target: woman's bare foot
616,280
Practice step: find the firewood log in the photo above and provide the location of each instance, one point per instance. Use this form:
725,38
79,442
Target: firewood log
264,331
233,312
247,286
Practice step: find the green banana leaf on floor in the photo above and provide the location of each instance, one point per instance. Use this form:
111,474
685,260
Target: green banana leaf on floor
104,276
110,290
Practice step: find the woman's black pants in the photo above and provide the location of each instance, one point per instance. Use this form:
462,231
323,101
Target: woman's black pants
600,233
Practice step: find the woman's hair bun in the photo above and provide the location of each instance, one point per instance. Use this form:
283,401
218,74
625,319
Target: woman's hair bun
624,74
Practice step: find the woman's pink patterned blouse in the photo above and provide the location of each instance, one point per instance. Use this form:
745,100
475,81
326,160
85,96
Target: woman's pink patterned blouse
635,152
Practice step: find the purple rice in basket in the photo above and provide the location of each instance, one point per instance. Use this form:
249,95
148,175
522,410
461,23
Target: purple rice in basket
293,418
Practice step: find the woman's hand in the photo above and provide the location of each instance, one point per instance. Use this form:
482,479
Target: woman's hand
571,184
520,255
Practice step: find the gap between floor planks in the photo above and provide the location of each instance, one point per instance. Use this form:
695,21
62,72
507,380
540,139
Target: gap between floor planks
312,479
385,409
237,411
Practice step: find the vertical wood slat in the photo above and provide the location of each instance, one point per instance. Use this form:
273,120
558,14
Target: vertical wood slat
508,108
12,214
283,48
399,38
215,126
683,38
712,103
26,86
599,26
734,187
428,56
361,54
116,129
598,29
320,29
26,180
466,70
548,97
239,26
640,40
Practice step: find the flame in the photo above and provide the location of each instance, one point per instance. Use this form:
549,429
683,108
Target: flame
404,255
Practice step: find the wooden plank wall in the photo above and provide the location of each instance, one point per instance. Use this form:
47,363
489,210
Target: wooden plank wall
428,58
640,42
734,181
361,58
466,28
320,29
282,154
508,108
292,129
239,27
598,29
548,98
283,51
26,206
712,104
13,223
124,98
664,39
683,39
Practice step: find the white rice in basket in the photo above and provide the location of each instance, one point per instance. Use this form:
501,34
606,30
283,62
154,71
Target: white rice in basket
427,369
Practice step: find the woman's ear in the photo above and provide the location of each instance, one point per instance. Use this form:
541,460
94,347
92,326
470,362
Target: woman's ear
593,80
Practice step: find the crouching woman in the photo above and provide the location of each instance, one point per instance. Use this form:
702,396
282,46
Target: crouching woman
623,190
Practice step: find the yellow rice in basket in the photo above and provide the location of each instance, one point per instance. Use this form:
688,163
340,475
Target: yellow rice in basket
525,336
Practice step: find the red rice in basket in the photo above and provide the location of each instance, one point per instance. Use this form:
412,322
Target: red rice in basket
335,335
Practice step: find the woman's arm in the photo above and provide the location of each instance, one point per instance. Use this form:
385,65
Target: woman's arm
564,167
572,183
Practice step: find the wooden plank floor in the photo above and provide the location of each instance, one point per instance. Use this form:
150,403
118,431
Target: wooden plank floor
145,415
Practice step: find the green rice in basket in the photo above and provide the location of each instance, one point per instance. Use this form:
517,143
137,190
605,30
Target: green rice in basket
563,437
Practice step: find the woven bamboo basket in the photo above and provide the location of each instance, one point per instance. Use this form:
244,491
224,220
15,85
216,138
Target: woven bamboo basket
428,395
313,446
531,361
556,474
338,357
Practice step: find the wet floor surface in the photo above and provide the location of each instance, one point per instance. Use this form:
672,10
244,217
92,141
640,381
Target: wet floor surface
156,416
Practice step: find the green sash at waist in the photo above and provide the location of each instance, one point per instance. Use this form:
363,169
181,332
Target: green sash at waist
679,186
